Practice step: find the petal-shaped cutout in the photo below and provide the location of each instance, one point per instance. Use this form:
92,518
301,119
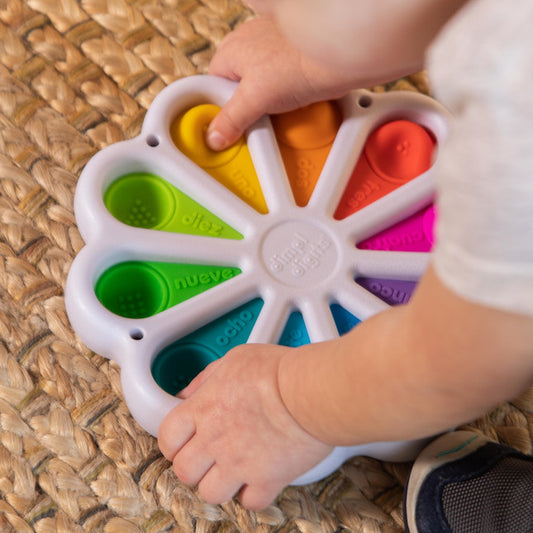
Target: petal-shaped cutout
305,137
295,333
391,291
139,289
176,365
344,320
144,200
394,154
233,167
413,234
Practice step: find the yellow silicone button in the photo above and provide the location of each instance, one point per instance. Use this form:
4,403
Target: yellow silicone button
233,167
188,133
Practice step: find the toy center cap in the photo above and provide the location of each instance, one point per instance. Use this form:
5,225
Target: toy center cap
299,254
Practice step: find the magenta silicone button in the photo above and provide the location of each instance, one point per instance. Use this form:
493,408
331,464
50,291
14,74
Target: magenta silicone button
428,223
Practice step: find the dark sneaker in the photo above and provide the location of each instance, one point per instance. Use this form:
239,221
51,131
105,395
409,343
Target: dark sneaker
465,483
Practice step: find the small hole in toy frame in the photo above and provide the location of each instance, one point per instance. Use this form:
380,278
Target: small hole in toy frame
137,334
152,140
365,101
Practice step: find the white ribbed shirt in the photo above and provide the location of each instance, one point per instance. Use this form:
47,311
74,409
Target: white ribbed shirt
481,68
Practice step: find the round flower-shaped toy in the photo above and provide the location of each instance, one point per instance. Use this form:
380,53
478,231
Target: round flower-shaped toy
311,223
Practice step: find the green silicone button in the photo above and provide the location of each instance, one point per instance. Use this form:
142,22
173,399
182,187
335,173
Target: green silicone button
139,289
132,290
144,200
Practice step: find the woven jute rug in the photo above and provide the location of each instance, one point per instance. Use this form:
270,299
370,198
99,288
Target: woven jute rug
76,76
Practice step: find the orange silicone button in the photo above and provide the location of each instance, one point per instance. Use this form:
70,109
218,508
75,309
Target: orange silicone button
394,154
305,137
399,150
232,167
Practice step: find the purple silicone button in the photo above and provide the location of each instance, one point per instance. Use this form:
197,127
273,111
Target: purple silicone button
391,291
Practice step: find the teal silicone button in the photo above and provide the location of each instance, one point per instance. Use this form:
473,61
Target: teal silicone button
177,364
295,333
344,320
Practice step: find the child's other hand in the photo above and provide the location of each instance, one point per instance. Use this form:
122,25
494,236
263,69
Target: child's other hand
274,77
232,432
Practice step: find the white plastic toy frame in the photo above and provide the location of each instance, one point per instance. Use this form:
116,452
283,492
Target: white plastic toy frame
134,343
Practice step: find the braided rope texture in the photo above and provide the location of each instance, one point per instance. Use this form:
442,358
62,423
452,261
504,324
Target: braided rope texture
76,76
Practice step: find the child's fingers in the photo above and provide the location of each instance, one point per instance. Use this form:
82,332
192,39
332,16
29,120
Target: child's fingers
199,380
234,119
191,463
174,432
229,124
257,498
218,485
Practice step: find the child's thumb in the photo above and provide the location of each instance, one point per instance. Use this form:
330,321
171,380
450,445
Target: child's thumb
231,122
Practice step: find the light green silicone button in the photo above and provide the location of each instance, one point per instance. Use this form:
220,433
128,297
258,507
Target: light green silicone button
139,289
147,201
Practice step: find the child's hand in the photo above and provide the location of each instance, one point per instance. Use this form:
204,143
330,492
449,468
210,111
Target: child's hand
323,50
274,77
232,431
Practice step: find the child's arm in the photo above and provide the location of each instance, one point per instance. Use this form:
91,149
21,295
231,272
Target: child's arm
411,371
284,62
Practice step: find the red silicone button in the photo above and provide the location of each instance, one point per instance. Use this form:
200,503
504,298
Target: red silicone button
399,150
